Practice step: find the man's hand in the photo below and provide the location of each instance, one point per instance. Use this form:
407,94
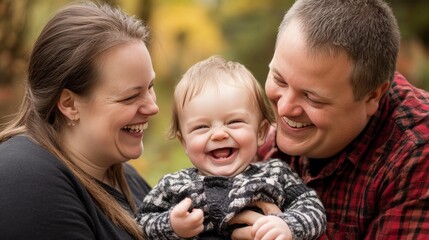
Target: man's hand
261,227
184,223
268,208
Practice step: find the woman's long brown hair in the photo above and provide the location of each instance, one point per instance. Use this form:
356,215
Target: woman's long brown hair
64,57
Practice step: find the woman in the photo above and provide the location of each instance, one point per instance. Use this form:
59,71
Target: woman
88,98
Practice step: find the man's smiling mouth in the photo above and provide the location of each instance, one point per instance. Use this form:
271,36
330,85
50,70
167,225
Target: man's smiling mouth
295,124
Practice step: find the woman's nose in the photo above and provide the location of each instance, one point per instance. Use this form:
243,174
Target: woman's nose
149,106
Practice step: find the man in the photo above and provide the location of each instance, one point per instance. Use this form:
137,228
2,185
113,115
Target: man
354,129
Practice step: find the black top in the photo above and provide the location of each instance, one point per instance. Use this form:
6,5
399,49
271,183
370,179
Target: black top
41,199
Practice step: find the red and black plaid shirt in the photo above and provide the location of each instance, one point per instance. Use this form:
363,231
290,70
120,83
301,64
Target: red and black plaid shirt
378,186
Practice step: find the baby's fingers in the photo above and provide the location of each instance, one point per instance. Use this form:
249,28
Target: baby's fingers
186,223
181,209
271,228
196,216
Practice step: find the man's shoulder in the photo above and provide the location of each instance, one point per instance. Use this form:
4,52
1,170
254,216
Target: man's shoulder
410,111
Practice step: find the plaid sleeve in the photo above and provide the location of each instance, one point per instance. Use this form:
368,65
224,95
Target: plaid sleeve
404,204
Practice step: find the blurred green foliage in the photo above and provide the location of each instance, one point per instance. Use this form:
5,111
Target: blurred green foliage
184,32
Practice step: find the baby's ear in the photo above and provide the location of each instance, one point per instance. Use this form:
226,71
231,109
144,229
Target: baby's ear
182,141
180,137
263,129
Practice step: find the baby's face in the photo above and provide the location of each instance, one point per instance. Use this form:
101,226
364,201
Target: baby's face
220,130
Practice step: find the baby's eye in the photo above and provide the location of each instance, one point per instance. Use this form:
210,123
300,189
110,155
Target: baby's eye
236,121
198,127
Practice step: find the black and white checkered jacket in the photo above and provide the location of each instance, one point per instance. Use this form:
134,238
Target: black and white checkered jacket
221,198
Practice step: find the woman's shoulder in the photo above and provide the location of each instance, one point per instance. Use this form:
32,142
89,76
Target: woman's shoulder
28,171
20,156
28,168
38,188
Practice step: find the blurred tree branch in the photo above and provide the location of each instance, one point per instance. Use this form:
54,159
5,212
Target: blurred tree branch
145,9
413,19
13,24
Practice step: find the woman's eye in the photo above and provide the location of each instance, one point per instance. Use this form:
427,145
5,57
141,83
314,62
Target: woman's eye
130,98
151,85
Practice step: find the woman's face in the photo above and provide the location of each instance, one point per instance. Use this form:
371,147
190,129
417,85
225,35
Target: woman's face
112,119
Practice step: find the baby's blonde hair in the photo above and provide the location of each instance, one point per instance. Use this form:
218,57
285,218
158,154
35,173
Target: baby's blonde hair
212,73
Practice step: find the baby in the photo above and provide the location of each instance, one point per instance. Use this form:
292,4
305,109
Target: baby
221,118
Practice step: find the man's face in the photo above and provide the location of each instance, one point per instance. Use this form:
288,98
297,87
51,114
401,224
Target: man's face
312,98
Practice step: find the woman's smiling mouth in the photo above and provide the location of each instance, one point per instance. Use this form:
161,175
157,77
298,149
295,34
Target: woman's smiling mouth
135,128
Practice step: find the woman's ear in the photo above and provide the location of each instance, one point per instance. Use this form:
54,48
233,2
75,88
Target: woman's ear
67,105
263,129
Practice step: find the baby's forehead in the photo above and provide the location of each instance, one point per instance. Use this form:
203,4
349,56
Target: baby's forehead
193,85
221,87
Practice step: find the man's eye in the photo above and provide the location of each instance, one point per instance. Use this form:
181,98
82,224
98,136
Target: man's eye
313,101
279,81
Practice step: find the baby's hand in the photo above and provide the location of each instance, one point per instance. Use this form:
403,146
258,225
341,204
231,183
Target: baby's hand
184,223
271,227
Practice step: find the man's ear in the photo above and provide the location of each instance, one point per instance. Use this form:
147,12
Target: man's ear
373,98
67,104
263,129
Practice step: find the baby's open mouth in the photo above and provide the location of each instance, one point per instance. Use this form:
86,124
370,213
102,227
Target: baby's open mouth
222,152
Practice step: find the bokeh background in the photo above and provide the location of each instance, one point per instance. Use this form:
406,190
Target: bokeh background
184,32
